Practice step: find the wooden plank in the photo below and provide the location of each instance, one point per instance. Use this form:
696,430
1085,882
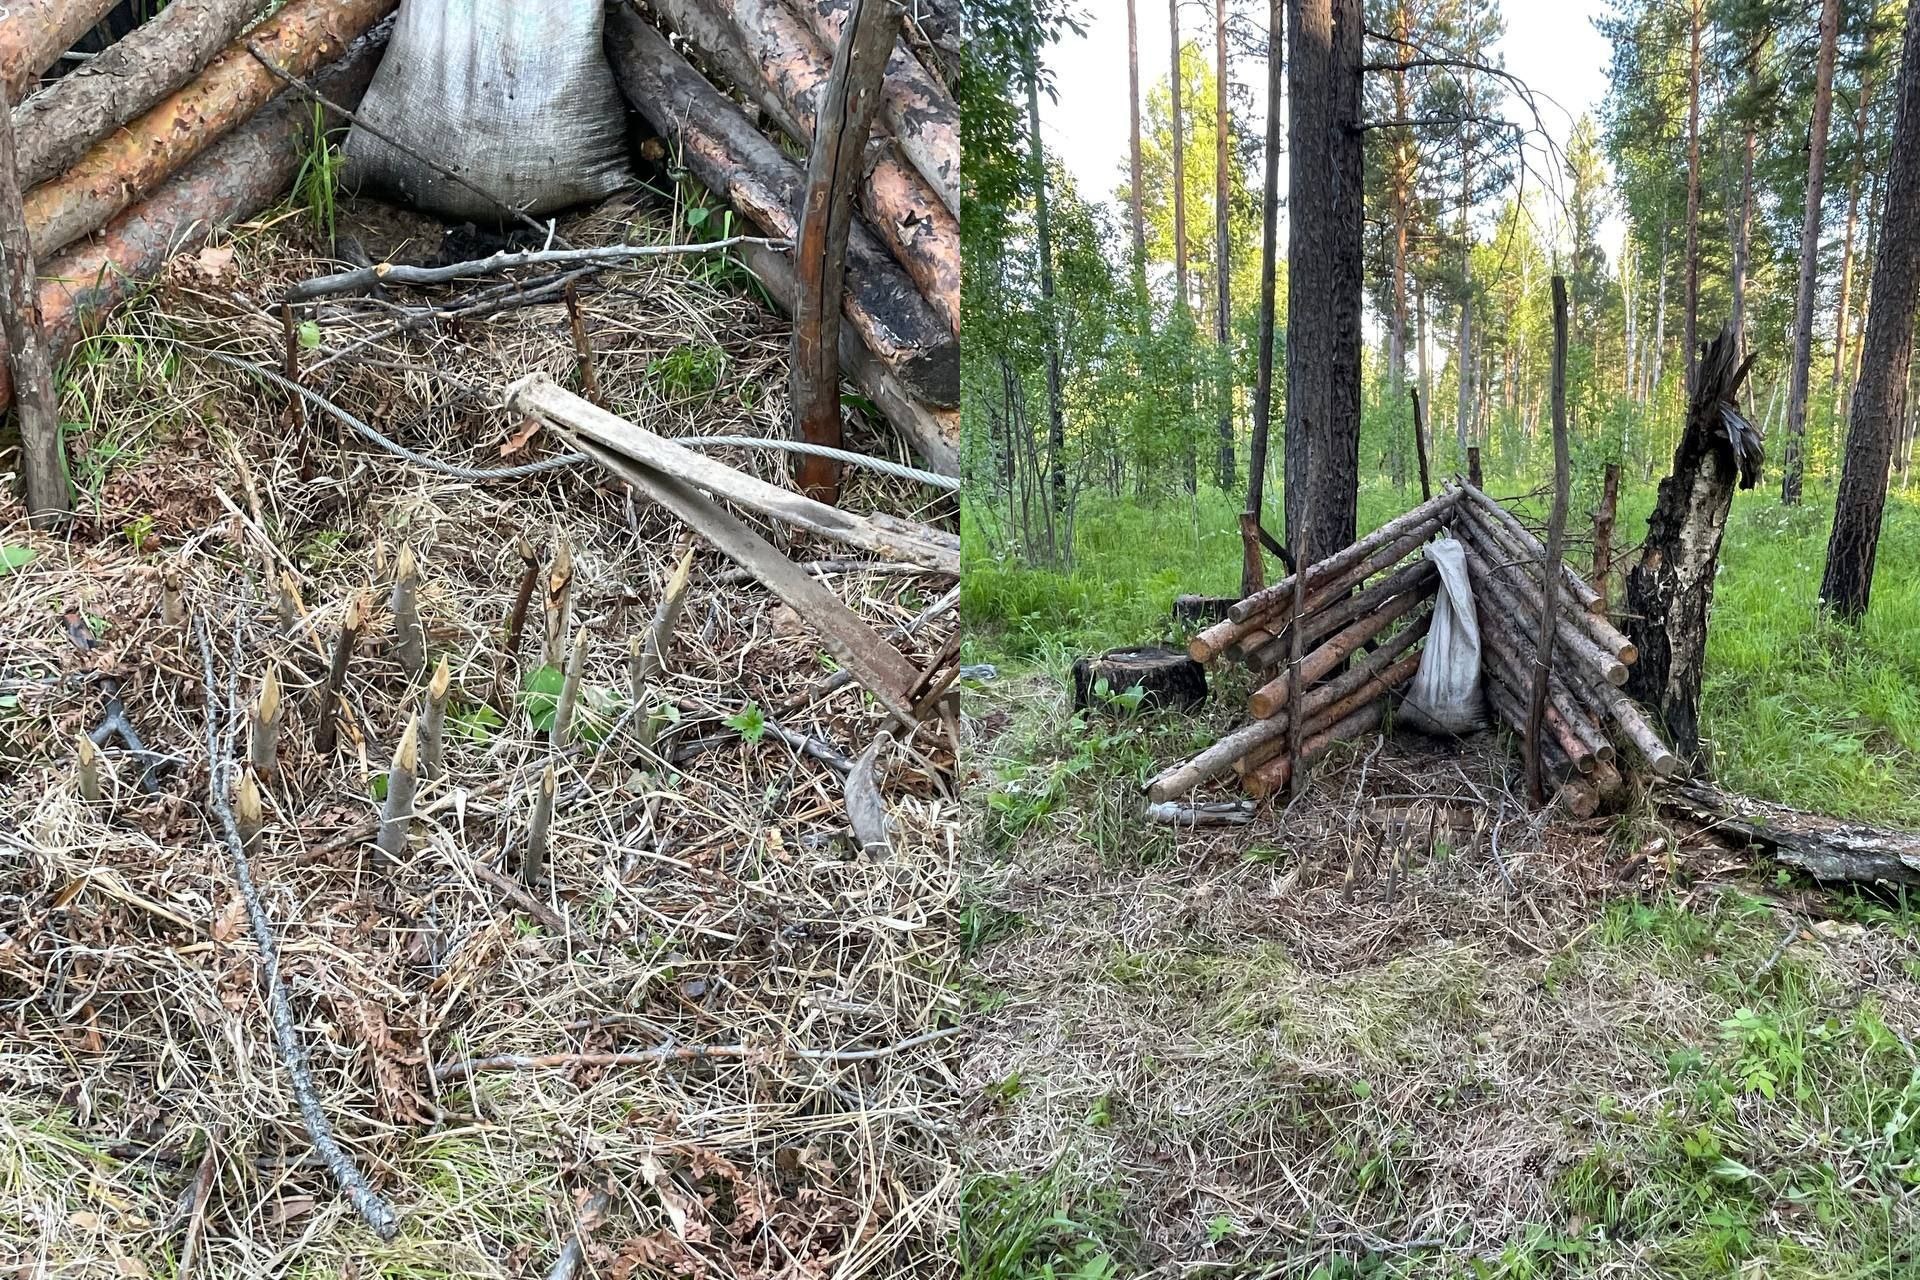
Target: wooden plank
874,663
540,396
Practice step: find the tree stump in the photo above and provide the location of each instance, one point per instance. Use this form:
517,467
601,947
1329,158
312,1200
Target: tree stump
1190,613
1169,678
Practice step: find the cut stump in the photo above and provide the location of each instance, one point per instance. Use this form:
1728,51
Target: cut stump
1170,679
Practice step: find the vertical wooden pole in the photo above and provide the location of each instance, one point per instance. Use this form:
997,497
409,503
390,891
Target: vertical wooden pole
43,457
1603,532
1252,568
1556,536
1473,467
583,349
1420,449
844,120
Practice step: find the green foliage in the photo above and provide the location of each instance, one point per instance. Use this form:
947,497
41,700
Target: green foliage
749,722
689,371
14,557
1015,1228
316,186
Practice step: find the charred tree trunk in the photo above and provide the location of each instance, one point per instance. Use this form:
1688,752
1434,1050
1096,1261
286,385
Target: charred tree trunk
1792,461
1670,592
1879,400
1324,262
1252,577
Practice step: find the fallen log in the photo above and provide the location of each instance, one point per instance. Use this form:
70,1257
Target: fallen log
1272,777
129,163
1828,849
56,125
33,35
539,396
1578,794
735,161
243,173
919,231
1172,783
921,114
1267,599
1269,698
933,434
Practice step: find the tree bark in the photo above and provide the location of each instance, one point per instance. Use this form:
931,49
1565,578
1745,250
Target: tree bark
1670,592
34,33
1879,400
1043,235
1691,320
1222,253
57,125
1324,263
43,454
1252,566
1792,462
1551,565
735,161
127,164
844,110
1134,205
1843,309
1603,532
1179,166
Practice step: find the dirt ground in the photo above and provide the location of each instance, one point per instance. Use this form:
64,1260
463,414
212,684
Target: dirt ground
791,1104
1411,1029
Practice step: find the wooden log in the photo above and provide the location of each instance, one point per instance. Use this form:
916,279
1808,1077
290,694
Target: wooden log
921,233
1828,849
1272,696
1177,781
1603,534
129,163
1502,647
917,110
1269,598
1520,687
1276,775
43,452
33,35
1323,622
245,172
734,160
539,396
933,434
846,100
1554,560
1520,597
1331,709
1531,548
58,124
1166,677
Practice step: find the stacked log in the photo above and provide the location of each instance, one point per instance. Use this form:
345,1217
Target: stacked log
1364,620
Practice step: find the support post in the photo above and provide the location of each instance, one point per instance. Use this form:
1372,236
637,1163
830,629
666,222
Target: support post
1550,570
43,458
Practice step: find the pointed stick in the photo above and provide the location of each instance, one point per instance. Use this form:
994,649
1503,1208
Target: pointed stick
396,815
248,810
516,619
287,602
88,770
410,638
263,726
582,348
569,692
559,602
533,862
173,605
324,730
666,617
433,722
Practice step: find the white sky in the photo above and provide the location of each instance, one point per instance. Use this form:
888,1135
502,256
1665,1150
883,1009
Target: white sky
1550,44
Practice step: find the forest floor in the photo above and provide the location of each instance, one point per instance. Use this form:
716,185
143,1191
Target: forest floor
1264,1053
701,893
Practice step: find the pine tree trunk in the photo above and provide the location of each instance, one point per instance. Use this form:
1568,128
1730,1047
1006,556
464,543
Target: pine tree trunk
1879,400
1133,137
1179,167
1691,320
1792,461
1844,309
1251,571
1222,252
1043,234
1655,369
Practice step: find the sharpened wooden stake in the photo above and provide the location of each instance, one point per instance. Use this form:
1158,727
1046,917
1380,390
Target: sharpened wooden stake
87,770
173,603
665,618
396,815
43,454
582,347
409,637
263,726
249,813
534,861
559,602
324,729
569,692
522,594
433,722
287,603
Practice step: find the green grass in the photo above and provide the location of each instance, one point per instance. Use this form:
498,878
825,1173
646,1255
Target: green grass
1796,708
1047,1228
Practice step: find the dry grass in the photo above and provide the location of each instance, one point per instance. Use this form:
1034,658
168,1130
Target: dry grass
716,902
1232,1053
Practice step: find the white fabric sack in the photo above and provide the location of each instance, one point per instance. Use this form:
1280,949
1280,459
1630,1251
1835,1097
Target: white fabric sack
516,98
1445,694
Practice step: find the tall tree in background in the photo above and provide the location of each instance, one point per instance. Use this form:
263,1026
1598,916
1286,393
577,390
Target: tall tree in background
1856,174
1056,411
1133,114
1792,461
1324,263
1697,17
1223,263
1251,565
1880,399
1174,80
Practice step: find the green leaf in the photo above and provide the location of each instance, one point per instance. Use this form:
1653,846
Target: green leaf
14,557
540,694
379,787
477,723
309,335
751,723
697,216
